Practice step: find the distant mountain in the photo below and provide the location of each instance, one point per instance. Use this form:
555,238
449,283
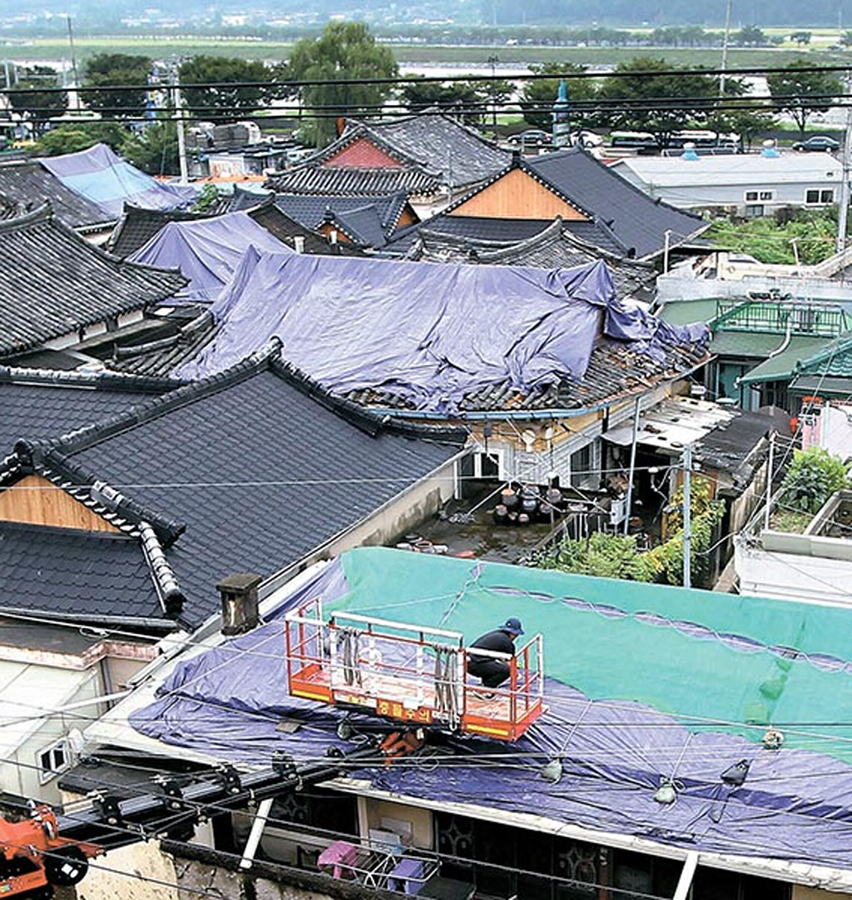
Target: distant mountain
622,13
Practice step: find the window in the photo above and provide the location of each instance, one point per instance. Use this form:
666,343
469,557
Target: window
754,210
750,196
767,195
53,760
819,196
755,196
583,473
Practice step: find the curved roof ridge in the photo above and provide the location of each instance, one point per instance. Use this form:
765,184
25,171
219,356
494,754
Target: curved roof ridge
147,410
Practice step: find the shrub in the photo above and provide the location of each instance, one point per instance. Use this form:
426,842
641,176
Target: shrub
813,476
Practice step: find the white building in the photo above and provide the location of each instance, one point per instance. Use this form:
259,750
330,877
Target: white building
745,184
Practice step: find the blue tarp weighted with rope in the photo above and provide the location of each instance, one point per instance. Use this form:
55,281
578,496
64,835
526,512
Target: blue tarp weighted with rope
427,333
645,683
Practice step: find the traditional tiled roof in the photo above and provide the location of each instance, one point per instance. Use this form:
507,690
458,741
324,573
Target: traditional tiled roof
635,223
39,404
30,186
552,248
614,372
436,141
68,283
82,576
503,231
224,471
638,222
316,179
138,226
310,211
158,358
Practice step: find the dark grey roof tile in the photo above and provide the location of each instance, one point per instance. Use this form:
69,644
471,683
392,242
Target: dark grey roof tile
68,283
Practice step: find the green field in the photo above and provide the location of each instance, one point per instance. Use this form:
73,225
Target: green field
184,45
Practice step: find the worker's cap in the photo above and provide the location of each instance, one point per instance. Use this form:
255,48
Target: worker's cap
513,626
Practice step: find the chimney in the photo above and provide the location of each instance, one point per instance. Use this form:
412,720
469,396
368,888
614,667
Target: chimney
299,243
239,602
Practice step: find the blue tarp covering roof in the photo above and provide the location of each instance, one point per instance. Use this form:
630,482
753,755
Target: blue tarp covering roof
107,180
207,251
428,333
624,709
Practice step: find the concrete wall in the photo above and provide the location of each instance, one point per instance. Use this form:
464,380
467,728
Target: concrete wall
117,875
800,892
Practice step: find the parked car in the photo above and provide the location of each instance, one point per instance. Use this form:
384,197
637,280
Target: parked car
817,142
531,136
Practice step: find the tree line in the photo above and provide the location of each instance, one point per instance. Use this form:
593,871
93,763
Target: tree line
346,72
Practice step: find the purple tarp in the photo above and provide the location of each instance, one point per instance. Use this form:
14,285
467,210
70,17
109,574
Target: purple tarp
107,180
207,251
427,333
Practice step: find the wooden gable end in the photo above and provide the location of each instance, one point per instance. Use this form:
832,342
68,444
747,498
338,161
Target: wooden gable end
36,501
362,154
517,196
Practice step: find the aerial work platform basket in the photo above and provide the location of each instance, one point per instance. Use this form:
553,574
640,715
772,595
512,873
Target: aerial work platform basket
409,673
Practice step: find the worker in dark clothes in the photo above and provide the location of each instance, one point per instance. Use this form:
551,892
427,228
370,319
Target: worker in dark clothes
494,672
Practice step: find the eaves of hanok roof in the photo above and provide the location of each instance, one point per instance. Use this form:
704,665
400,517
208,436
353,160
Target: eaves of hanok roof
310,209
158,358
614,373
362,226
69,283
30,186
70,559
639,221
287,230
138,225
356,131
311,179
552,248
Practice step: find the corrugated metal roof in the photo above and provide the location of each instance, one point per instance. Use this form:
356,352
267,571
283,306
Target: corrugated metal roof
782,366
749,169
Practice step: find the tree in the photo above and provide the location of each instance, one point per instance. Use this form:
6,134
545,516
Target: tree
538,96
647,94
34,96
114,70
227,88
801,37
155,151
750,36
741,114
72,138
801,93
344,51
846,39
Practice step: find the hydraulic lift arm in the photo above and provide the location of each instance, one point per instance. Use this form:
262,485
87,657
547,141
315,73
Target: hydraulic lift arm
49,850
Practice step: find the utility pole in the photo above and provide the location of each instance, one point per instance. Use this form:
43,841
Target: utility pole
73,64
725,48
492,61
843,200
181,135
628,506
687,516
770,462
